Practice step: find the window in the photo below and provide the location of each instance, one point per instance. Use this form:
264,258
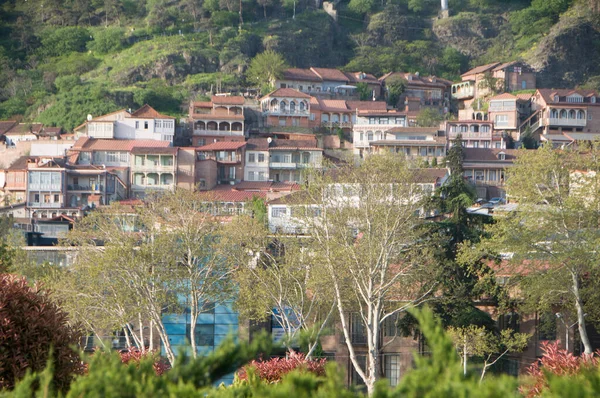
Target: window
362,362
475,144
485,129
372,120
390,326
370,136
479,175
492,175
509,321
261,158
251,158
158,124
56,198
524,85
250,176
261,176
137,124
392,368
145,125
362,137
123,157
547,326
232,173
112,157
36,198
358,333
202,183
278,212
423,151
203,334
282,122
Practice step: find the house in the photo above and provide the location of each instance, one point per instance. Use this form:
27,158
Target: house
474,134
99,171
221,119
485,168
5,126
334,114
145,123
429,91
50,133
564,115
510,76
14,186
219,163
372,125
289,159
257,159
327,82
286,107
152,169
508,112
23,132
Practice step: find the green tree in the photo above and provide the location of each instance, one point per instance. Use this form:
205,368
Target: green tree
395,88
265,68
60,41
364,92
554,231
429,117
107,41
477,341
361,6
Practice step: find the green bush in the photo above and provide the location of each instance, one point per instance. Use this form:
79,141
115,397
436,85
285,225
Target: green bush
107,41
60,41
67,83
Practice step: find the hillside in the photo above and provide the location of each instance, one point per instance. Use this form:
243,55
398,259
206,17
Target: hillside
63,59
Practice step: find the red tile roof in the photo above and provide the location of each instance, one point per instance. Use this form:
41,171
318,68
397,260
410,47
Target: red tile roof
228,100
202,104
367,105
257,144
6,125
308,145
93,144
524,96
301,74
503,96
361,77
417,80
481,69
222,146
333,105
549,93
287,92
489,154
330,74
148,112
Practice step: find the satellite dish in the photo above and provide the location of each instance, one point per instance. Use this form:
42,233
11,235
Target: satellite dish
269,140
89,117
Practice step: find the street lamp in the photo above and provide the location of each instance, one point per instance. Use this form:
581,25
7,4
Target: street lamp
567,328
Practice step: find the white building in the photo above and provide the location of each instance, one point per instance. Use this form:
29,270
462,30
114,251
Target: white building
145,123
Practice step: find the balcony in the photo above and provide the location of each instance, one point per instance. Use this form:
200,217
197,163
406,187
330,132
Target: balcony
32,186
153,167
224,133
286,112
42,205
342,125
137,187
92,188
282,165
463,90
471,136
229,159
553,121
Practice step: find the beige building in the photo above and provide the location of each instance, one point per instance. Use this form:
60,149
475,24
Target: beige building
221,119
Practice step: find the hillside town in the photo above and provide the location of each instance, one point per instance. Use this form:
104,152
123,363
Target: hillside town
235,150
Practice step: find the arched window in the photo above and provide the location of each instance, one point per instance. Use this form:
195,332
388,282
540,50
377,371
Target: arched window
292,107
554,114
370,136
563,114
454,128
305,157
474,128
302,106
282,106
274,103
485,129
581,115
464,128
572,114
335,118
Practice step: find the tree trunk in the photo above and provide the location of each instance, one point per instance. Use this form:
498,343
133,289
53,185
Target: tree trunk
193,320
465,356
265,10
164,337
143,346
151,335
580,316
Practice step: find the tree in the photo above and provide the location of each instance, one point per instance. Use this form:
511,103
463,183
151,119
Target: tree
265,68
495,85
429,117
395,88
278,278
34,331
477,341
265,4
361,6
364,92
373,253
527,139
554,231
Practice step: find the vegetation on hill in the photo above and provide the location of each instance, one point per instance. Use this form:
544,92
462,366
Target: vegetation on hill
60,60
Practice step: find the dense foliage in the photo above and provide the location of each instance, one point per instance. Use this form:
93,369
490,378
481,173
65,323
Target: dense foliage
33,331
273,370
111,50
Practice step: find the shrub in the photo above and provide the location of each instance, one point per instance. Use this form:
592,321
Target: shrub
107,40
60,41
31,326
273,370
555,362
133,355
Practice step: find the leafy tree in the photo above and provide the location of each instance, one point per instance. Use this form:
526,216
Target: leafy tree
395,88
60,41
364,92
476,341
34,330
265,68
554,231
527,139
67,83
361,6
429,117
107,41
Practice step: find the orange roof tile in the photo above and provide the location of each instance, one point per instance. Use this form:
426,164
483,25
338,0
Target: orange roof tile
301,74
228,100
93,144
148,112
503,96
330,74
481,69
287,92
230,195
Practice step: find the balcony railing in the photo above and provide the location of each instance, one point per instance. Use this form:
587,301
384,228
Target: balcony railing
337,124
152,167
469,135
218,132
78,187
139,187
44,187
286,112
553,121
56,205
468,93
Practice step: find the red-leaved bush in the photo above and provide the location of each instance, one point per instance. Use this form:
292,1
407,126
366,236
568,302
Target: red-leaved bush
30,325
135,355
558,362
274,369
